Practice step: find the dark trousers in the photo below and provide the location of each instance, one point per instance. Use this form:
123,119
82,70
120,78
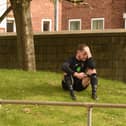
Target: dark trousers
74,82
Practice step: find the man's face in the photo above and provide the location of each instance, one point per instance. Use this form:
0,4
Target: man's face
82,55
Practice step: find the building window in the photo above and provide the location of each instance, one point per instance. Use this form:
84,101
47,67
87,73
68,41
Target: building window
97,24
46,25
74,24
11,25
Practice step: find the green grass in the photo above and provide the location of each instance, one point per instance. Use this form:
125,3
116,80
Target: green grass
45,86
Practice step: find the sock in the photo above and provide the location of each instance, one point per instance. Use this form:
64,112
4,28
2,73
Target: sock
94,83
68,81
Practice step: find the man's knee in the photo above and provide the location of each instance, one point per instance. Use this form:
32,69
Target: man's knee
85,81
91,71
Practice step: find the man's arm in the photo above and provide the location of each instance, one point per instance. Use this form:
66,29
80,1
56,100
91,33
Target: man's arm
89,62
66,68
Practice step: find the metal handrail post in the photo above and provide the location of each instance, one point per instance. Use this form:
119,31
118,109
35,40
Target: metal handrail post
89,116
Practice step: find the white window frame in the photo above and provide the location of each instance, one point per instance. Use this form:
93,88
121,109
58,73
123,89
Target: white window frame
42,23
96,19
124,17
14,27
70,20
3,8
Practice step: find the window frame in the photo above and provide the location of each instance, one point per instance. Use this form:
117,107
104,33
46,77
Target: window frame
50,26
14,25
70,20
97,19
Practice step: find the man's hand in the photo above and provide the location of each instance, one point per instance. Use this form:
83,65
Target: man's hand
87,49
80,75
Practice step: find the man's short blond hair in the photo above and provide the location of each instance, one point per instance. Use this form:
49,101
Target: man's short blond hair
81,47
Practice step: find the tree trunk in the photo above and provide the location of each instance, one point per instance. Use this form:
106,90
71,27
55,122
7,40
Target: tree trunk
25,41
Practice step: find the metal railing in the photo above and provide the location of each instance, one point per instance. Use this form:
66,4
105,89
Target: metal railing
89,106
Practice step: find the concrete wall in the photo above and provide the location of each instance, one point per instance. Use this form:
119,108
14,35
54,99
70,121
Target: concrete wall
108,48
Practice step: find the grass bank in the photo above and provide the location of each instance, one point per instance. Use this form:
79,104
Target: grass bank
45,86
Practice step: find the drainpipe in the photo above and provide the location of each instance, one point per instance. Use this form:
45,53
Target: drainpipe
56,15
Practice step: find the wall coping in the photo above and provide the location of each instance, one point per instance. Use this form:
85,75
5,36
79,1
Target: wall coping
82,32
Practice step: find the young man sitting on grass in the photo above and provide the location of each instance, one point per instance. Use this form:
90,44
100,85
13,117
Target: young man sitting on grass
79,72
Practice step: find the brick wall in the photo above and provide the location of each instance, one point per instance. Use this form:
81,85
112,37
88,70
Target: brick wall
118,8
41,9
108,49
111,10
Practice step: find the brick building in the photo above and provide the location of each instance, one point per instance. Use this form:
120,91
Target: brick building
42,12
102,14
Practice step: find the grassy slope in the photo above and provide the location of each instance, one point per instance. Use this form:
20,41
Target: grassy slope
45,86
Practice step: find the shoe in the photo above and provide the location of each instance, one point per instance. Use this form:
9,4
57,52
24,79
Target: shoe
94,96
73,95
64,86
